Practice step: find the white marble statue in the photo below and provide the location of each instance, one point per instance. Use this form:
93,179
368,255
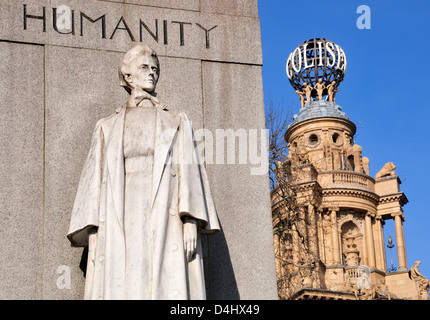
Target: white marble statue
142,204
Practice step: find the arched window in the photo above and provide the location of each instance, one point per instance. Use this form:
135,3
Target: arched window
351,163
335,137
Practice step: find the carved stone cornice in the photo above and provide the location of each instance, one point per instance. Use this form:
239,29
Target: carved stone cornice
276,206
399,197
357,193
301,190
321,294
306,186
302,186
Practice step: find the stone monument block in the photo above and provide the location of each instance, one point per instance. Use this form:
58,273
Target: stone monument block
190,5
246,8
71,108
115,26
248,188
60,67
21,170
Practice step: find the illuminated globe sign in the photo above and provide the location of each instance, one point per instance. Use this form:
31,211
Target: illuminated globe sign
316,68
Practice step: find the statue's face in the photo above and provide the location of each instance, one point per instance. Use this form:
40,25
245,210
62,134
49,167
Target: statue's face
144,73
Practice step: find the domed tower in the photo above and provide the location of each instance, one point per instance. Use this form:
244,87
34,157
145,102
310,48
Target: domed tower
328,212
321,134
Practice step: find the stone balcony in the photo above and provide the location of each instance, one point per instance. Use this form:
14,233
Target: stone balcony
341,179
346,179
333,178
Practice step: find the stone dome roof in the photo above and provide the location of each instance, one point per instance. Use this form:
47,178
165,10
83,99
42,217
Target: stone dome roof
318,109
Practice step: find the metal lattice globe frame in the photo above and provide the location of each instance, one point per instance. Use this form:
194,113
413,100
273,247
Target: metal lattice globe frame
311,75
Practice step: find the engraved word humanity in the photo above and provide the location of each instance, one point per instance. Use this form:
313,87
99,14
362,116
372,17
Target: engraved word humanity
66,21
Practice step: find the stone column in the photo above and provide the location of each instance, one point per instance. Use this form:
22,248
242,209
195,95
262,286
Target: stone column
369,241
301,225
401,250
313,235
404,243
278,256
323,222
296,248
335,238
381,262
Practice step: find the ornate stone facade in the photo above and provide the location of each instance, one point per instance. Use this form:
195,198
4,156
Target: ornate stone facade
341,210
330,243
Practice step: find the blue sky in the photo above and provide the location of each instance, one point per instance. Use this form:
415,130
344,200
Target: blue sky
383,93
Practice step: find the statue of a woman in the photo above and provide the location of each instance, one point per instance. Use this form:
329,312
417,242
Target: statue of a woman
421,282
143,199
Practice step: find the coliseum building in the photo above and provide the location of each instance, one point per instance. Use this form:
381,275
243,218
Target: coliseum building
328,212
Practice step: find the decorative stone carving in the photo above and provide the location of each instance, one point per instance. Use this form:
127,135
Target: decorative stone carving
421,282
301,156
319,87
358,162
307,89
366,294
142,226
302,98
331,90
386,171
363,288
354,217
306,268
357,280
349,283
382,290
366,165
351,253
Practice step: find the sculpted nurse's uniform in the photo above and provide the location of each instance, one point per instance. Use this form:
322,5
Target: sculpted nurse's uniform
143,200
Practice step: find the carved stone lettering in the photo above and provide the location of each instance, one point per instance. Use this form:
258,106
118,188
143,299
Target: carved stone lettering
144,28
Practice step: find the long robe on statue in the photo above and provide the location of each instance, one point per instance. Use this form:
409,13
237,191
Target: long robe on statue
136,204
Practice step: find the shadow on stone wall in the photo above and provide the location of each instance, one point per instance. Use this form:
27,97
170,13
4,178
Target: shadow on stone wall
220,278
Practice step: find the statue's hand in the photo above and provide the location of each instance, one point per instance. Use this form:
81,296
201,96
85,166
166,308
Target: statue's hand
190,238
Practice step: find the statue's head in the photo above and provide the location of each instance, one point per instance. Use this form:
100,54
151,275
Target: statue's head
140,69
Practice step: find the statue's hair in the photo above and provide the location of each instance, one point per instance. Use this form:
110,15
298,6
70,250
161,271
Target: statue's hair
130,56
